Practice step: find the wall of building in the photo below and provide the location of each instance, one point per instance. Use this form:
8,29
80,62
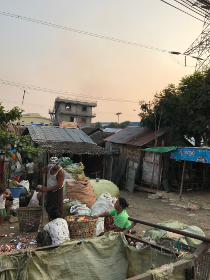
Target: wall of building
72,112
133,153
33,118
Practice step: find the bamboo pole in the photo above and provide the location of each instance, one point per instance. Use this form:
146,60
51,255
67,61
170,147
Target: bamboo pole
43,184
153,166
181,188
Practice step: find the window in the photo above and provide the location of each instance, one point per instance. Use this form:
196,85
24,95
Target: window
68,106
84,109
83,120
71,119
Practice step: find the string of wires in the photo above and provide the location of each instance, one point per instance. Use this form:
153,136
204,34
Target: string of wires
192,8
181,10
57,92
45,106
82,32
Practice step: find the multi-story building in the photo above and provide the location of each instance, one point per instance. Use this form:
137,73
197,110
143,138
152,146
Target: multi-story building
33,118
70,110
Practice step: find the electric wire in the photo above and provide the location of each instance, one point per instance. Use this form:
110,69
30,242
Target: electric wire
5,82
45,106
180,10
82,32
188,7
90,34
196,8
177,62
192,4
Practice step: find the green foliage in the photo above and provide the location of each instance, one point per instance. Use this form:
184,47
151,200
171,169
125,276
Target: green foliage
7,116
113,125
185,109
21,142
125,124
98,125
120,125
6,138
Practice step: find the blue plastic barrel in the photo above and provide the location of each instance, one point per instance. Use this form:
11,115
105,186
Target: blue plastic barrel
15,192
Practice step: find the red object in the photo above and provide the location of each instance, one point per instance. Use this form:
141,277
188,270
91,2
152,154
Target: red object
17,178
13,156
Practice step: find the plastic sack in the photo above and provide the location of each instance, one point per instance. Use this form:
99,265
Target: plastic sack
77,169
81,209
104,203
67,175
104,186
25,184
82,190
67,205
64,161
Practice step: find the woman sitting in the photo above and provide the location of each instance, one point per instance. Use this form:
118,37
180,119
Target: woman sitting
35,198
55,232
121,221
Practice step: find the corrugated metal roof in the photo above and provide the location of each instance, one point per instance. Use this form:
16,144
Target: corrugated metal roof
58,134
137,136
112,130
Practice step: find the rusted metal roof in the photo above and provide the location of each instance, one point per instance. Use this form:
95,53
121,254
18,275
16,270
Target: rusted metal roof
137,136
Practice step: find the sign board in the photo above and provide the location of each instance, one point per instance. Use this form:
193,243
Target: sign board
69,124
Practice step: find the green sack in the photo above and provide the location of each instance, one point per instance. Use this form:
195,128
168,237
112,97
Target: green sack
77,170
64,161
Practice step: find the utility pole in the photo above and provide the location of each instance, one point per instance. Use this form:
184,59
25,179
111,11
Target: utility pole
23,98
118,114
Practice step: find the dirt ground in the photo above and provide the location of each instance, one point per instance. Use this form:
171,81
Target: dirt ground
156,211
142,208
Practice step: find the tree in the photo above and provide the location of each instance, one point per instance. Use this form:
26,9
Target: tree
113,125
125,124
98,125
7,116
184,109
22,143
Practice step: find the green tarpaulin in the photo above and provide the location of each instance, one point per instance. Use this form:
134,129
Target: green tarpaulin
99,258
161,149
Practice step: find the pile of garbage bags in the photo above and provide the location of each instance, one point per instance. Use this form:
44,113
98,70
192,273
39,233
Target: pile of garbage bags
104,203
74,170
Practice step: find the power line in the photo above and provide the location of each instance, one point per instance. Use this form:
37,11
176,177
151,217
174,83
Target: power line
180,10
45,106
19,85
189,7
82,32
195,8
93,34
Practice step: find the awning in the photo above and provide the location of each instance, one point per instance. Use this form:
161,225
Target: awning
192,154
161,149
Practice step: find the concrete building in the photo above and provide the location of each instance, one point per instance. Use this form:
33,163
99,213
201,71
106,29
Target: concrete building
33,118
69,110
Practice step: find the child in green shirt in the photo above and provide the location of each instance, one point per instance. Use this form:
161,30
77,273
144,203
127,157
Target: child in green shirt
121,221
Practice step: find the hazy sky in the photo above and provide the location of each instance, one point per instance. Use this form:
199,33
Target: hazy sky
53,58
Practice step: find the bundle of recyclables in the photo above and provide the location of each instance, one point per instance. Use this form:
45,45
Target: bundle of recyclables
81,226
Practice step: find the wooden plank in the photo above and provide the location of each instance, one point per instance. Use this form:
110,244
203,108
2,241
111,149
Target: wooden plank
188,234
122,163
146,189
178,266
130,227
201,250
182,183
46,247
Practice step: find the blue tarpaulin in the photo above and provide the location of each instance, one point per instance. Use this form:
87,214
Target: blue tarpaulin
12,151
192,154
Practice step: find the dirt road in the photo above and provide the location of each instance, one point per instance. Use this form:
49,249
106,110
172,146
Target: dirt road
156,211
140,207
